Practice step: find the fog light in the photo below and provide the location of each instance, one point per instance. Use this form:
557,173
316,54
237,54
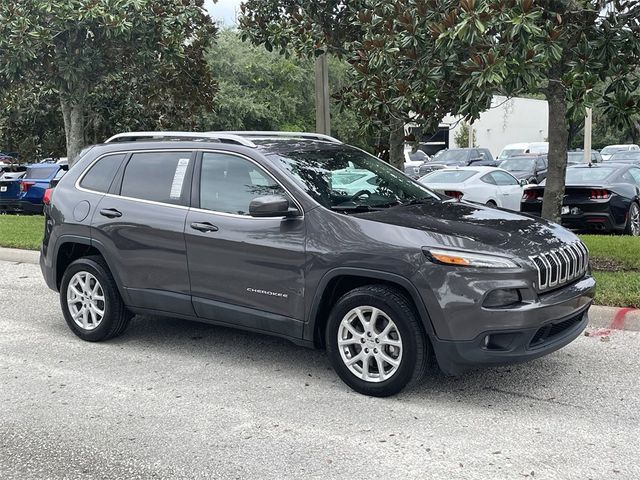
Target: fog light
502,297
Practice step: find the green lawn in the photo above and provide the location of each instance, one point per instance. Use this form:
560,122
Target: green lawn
615,259
21,231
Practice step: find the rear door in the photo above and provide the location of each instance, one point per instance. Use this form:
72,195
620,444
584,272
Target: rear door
245,271
140,224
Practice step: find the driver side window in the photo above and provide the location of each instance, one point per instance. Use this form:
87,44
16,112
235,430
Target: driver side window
229,183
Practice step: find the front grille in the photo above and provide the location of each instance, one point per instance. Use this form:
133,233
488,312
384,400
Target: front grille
560,266
551,331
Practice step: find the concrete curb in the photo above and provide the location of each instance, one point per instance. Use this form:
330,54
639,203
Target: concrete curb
602,319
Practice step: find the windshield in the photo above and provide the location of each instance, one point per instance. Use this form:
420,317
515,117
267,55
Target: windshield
449,157
448,176
511,153
610,150
575,157
518,164
625,156
586,175
348,179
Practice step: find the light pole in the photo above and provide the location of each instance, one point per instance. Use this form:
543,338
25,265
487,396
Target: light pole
323,119
587,135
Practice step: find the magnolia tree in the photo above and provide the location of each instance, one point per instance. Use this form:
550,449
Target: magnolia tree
80,50
432,57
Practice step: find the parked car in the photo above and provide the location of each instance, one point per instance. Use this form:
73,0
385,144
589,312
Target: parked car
246,230
489,186
32,186
413,162
609,150
531,168
350,181
515,149
576,157
603,197
10,191
458,157
627,156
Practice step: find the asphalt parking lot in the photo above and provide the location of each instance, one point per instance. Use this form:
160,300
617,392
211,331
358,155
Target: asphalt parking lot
173,399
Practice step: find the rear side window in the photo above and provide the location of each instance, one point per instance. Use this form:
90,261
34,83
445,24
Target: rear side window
100,175
157,176
40,173
502,178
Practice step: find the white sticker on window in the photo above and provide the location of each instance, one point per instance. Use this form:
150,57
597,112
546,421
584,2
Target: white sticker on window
178,178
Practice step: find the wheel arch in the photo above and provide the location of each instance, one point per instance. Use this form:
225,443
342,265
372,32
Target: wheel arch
71,247
339,281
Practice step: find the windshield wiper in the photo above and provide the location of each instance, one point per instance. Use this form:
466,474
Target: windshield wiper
418,201
355,208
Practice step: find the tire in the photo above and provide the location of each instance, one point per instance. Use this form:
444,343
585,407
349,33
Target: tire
633,221
409,342
533,181
491,204
92,327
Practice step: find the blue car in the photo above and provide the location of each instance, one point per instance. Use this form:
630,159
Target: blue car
25,195
10,191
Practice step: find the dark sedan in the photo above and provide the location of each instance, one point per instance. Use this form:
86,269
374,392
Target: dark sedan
459,157
598,197
532,168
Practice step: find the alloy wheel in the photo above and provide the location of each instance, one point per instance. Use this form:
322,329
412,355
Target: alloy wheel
370,344
86,300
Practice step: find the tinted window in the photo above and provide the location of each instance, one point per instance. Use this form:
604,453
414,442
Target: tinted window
228,183
588,174
157,176
41,173
541,164
502,178
488,179
100,175
518,164
635,173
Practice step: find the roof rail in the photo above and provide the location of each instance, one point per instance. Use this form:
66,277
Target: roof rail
221,137
270,134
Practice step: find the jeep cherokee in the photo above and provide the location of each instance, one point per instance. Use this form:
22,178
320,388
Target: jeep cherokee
257,230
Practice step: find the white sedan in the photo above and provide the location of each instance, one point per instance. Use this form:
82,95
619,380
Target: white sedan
487,185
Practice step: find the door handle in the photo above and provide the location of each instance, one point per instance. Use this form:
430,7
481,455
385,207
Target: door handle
110,213
204,227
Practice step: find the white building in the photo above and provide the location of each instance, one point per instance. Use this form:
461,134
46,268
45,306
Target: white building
509,120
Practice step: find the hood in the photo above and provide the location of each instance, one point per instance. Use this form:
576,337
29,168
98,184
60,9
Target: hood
471,226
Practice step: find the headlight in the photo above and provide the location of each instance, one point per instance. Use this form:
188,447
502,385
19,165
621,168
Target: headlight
461,258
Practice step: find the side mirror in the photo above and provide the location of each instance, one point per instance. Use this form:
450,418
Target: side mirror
271,206
523,182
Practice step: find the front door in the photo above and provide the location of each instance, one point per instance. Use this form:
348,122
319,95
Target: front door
245,271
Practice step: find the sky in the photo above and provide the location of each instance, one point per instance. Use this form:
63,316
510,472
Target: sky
223,11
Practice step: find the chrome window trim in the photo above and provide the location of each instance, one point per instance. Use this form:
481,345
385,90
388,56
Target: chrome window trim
185,207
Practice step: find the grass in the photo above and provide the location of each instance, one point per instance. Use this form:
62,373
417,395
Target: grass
618,289
21,231
619,252
615,259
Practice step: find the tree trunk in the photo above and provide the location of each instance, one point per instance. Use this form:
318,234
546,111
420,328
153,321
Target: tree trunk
396,143
558,139
74,120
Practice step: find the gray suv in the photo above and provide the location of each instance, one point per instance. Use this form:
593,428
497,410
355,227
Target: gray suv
301,236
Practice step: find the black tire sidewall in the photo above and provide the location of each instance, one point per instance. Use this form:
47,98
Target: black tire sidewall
405,371
628,228
110,295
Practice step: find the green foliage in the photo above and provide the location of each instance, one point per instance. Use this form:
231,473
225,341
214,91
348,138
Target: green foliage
262,90
17,231
131,58
461,137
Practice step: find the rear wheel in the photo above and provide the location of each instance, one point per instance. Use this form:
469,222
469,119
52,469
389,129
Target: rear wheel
90,301
633,221
491,204
375,342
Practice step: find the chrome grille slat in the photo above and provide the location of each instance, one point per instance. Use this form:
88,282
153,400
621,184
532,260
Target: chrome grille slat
560,266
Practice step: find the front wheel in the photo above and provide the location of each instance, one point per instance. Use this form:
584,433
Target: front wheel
90,301
633,221
375,342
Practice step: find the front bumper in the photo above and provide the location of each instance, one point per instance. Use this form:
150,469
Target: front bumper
504,347
469,336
